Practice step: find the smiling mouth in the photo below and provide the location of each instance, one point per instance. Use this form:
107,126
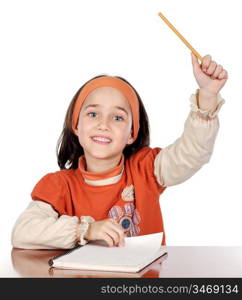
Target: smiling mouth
101,140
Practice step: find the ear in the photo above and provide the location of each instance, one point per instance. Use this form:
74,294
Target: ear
130,140
76,131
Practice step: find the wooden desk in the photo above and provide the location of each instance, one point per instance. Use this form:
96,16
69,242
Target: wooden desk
205,261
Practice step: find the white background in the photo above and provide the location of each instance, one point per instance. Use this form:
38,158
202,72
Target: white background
50,48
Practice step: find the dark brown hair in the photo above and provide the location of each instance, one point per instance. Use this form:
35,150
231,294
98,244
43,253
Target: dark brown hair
68,148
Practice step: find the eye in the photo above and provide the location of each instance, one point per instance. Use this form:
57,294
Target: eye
119,117
91,114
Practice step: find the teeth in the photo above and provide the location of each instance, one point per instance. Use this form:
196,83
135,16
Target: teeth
101,139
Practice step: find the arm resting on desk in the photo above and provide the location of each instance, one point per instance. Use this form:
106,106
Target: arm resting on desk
40,227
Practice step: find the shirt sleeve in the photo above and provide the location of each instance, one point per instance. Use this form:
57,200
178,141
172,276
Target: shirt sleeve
52,189
182,159
40,227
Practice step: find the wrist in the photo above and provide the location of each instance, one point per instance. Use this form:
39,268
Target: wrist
86,233
83,228
207,93
206,100
206,114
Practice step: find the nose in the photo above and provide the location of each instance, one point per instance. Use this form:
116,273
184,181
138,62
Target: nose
103,124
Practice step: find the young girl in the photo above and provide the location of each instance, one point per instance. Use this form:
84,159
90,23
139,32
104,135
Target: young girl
110,179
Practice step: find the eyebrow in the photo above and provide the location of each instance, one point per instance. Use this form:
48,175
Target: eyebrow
96,105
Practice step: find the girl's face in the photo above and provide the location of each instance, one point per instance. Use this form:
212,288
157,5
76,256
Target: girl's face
105,123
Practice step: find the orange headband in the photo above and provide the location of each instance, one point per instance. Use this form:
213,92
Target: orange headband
116,83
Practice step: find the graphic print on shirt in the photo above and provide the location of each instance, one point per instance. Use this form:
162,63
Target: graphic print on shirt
126,214
128,193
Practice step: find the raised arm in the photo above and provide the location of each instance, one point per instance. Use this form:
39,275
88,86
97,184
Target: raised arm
180,160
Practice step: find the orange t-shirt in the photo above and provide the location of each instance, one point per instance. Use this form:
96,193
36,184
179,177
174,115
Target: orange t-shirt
133,201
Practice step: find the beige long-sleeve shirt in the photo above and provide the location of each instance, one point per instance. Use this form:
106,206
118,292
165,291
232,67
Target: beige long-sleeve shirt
41,227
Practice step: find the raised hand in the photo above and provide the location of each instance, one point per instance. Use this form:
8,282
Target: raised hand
209,75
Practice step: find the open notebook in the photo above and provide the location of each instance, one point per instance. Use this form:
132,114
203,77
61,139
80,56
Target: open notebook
138,252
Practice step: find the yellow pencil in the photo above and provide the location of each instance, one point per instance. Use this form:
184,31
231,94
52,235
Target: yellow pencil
180,36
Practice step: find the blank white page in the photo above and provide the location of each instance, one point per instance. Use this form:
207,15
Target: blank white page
137,252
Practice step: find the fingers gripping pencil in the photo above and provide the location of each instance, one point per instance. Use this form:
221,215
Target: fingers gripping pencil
180,36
